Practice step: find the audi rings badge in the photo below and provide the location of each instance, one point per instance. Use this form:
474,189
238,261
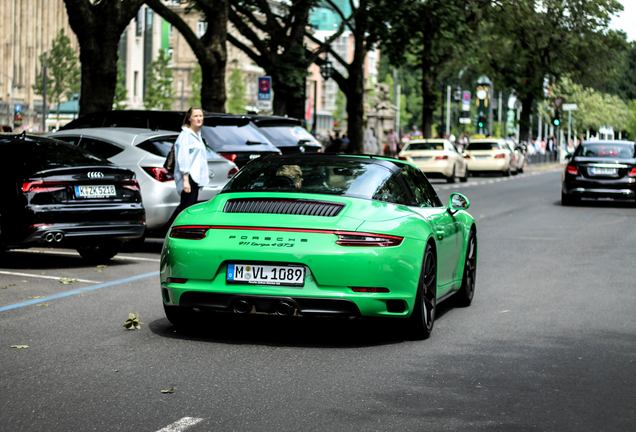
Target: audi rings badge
95,174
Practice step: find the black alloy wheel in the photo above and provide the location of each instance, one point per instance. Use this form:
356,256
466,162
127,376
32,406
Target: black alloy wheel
464,296
422,319
451,179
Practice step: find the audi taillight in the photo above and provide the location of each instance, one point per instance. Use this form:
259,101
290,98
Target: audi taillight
571,169
444,157
366,239
190,232
159,173
231,172
229,156
131,184
42,186
500,156
632,173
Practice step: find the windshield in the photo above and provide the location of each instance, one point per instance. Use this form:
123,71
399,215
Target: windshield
607,150
334,177
43,155
490,145
284,136
219,136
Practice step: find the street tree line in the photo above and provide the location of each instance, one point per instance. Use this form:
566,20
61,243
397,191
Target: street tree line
516,42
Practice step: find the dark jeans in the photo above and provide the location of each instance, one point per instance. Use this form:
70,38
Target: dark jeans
187,199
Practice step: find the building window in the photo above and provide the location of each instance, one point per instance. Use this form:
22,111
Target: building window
202,27
139,23
135,83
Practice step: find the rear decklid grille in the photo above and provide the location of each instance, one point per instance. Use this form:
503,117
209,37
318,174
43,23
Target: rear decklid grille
283,206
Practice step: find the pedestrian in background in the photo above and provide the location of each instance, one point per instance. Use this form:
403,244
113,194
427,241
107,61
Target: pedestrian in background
191,161
391,143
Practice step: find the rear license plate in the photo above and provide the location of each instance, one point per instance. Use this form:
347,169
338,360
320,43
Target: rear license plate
262,274
482,156
599,171
421,158
95,191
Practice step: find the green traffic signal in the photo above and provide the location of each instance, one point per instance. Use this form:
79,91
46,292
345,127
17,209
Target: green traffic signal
556,121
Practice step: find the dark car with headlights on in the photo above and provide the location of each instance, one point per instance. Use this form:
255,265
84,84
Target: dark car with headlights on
55,194
600,169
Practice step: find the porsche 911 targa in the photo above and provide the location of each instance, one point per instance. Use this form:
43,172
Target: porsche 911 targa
322,235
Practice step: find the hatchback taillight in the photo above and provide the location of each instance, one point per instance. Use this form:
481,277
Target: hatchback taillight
159,173
229,156
500,156
42,186
572,170
190,232
131,184
444,157
632,173
366,239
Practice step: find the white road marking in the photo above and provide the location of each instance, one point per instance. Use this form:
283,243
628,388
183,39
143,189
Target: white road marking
181,425
60,252
46,277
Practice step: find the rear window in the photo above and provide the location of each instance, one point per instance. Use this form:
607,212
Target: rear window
286,136
607,150
158,147
424,146
494,145
219,136
345,177
44,155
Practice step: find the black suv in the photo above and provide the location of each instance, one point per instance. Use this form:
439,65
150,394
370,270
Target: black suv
287,133
234,137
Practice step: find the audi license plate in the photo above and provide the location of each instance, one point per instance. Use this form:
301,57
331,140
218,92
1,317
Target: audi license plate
95,191
601,171
263,274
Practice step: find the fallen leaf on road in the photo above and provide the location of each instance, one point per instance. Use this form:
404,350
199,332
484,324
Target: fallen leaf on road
100,268
168,390
67,281
20,346
42,305
35,297
133,322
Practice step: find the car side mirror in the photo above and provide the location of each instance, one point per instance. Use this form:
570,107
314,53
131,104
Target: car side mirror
457,202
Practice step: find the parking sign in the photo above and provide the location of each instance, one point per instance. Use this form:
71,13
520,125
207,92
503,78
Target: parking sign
264,88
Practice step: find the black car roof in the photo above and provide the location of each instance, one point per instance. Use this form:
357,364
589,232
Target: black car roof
271,121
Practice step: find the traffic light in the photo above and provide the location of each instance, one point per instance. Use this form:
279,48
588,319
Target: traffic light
556,119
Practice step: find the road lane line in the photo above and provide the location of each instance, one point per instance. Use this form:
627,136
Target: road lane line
78,291
181,425
45,276
117,257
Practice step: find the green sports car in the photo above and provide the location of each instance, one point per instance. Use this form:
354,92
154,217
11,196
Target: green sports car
322,235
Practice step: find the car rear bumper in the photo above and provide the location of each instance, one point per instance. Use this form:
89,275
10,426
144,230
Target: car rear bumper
616,189
488,165
71,234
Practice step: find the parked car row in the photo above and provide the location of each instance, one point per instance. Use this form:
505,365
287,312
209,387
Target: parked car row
439,158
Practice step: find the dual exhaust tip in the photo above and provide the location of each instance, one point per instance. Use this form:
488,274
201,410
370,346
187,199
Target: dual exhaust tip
282,307
54,237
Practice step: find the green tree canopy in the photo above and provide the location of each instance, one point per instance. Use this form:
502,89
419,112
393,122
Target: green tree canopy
159,92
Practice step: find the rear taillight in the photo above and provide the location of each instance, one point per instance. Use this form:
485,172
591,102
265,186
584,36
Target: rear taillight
366,239
441,157
466,156
231,172
42,186
632,173
571,169
159,173
190,232
229,156
500,156
131,184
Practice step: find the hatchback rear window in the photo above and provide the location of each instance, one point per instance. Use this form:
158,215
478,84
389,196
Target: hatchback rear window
607,150
483,146
425,146
218,136
45,155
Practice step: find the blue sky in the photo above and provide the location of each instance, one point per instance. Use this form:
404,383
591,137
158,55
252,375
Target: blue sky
626,21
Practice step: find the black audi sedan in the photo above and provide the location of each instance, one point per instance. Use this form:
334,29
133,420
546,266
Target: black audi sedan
55,194
600,169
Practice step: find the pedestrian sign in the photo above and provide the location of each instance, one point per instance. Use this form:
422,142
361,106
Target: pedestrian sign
264,88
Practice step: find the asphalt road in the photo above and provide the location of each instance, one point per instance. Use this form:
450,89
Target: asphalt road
549,343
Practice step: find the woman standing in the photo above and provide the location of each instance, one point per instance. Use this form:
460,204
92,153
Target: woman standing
191,162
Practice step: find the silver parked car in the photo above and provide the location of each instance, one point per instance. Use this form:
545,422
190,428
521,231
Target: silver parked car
144,152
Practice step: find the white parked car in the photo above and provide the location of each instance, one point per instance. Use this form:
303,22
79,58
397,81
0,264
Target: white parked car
144,152
437,158
490,155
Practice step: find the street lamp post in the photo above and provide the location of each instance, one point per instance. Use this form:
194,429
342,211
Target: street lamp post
326,69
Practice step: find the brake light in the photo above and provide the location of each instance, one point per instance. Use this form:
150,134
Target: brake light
229,156
231,172
571,169
366,239
441,157
42,186
500,156
632,173
370,289
159,173
131,184
466,156
190,232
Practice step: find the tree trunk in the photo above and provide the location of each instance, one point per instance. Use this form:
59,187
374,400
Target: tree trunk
429,101
289,97
213,93
355,109
527,101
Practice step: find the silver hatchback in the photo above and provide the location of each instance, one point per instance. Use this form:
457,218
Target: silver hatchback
144,152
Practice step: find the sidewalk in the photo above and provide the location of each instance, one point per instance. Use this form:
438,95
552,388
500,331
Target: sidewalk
544,166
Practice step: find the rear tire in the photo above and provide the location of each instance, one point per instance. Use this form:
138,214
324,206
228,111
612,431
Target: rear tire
568,200
451,179
464,296
99,253
420,323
